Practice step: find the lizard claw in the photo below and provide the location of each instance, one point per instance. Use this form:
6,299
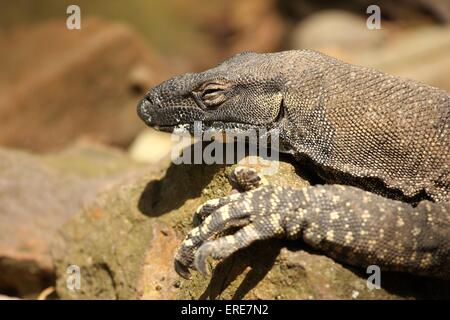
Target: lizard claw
249,211
201,256
182,269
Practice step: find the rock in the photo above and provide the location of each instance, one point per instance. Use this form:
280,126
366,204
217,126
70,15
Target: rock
132,223
125,241
334,30
37,195
54,81
405,12
151,146
251,25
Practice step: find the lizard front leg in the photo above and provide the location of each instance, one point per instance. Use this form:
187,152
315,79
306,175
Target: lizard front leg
351,225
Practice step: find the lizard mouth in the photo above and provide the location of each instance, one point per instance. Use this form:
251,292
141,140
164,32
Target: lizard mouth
168,118
193,119
205,126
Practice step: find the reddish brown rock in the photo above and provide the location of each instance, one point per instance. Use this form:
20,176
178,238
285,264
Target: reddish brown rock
37,195
252,25
58,84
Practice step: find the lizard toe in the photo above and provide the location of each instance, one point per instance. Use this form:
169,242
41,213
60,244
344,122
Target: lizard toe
200,261
245,178
258,214
204,210
223,247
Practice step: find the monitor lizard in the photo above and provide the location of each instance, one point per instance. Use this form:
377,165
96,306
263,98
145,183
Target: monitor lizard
380,142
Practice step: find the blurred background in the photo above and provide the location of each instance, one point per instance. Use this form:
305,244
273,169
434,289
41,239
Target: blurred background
57,85
63,91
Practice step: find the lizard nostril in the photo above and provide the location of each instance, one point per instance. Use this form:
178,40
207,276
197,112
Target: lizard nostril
143,109
148,99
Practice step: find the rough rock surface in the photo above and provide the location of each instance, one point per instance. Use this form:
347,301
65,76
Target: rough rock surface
124,244
54,81
37,195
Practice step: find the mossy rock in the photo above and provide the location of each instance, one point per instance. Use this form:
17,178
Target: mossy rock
124,244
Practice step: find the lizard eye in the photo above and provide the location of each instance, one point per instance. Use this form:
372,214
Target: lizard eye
213,94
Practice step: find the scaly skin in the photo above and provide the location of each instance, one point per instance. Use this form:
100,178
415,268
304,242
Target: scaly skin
383,140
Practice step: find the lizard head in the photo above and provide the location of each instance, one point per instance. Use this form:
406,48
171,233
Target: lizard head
242,93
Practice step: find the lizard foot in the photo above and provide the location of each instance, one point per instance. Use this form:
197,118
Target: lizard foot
351,225
260,213
242,179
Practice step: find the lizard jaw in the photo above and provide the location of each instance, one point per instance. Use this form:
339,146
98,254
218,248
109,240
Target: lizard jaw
181,119
168,118
151,114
